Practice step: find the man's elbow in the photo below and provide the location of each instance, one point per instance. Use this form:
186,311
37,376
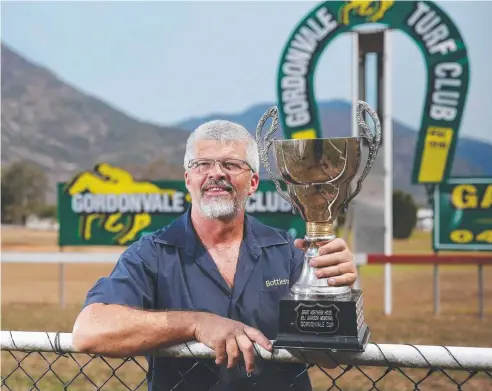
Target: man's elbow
87,337
83,342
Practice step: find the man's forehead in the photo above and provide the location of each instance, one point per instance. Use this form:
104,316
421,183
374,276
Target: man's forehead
226,147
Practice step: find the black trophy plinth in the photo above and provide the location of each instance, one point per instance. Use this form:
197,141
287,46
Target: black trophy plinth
322,324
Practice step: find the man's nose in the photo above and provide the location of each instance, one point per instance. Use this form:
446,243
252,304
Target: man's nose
216,171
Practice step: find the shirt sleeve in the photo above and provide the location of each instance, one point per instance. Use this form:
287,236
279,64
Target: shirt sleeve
133,279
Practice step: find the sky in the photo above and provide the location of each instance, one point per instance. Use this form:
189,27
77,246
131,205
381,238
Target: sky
165,62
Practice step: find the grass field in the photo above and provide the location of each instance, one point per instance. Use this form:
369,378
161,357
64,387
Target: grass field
30,294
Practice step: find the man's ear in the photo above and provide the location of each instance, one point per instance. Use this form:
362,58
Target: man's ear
187,180
254,183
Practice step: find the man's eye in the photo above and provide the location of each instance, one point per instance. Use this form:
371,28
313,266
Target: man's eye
232,166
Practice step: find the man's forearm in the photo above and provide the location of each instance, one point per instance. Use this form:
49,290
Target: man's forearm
117,331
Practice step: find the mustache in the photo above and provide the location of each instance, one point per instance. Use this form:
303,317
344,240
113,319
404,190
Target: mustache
218,183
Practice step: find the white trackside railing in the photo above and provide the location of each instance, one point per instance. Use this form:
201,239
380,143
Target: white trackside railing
47,360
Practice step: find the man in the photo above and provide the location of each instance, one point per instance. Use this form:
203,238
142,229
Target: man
204,277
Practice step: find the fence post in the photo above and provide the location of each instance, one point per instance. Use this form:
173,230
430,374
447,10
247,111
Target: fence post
61,284
480,292
437,291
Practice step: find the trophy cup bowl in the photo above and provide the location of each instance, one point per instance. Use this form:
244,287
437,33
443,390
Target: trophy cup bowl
318,174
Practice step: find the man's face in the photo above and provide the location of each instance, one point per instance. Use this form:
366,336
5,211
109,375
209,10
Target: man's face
218,193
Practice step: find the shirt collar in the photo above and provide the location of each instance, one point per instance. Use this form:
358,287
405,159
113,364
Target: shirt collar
181,233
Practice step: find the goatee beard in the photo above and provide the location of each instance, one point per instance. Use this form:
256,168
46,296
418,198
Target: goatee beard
219,208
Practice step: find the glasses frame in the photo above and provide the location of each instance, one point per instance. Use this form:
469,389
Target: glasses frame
220,161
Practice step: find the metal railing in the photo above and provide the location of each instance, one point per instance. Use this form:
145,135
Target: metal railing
48,361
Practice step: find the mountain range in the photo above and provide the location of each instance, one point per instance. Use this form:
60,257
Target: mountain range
65,130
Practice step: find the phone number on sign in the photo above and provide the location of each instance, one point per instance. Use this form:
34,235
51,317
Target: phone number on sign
467,236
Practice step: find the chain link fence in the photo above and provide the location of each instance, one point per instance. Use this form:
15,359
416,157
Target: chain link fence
47,361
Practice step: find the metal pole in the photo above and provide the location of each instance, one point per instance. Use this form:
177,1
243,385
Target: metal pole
437,297
347,228
61,276
350,217
480,292
62,284
388,170
355,81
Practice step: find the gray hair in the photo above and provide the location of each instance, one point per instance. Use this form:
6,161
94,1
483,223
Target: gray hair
223,131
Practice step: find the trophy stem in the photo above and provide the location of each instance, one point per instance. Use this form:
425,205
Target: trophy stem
309,286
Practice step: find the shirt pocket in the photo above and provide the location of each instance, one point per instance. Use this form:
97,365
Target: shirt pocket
268,309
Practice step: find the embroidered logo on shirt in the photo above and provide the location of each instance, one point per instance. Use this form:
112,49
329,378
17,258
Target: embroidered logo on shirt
276,282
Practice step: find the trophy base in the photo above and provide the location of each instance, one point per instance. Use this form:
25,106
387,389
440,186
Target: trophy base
322,324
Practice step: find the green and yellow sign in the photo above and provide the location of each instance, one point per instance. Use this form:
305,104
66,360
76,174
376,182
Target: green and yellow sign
445,56
463,215
107,206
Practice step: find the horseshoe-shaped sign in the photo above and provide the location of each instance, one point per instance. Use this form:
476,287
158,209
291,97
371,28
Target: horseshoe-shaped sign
447,73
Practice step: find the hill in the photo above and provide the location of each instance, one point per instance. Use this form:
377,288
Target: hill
64,130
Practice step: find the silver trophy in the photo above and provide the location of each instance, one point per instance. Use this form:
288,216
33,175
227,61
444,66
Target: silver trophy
318,175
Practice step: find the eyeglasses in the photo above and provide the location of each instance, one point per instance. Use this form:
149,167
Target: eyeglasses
228,166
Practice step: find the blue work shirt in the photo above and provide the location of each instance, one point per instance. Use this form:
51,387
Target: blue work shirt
171,269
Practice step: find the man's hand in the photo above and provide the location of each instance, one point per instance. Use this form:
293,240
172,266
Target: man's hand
335,262
229,338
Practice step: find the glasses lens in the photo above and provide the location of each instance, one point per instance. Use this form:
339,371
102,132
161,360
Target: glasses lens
202,166
229,166
233,166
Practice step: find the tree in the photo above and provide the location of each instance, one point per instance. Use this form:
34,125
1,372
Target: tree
48,212
24,186
404,214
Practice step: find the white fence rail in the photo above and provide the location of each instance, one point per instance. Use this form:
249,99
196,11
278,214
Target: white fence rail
58,257
409,356
89,257
412,367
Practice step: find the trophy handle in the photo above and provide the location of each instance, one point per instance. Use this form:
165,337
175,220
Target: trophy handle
263,148
373,140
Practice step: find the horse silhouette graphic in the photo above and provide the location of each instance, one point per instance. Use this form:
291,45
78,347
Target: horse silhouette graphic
106,180
371,10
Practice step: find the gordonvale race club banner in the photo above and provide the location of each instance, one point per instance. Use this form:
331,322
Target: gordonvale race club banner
107,206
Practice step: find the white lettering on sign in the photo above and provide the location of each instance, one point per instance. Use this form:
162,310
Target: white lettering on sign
293,84
446,95
434,34
269,201
128,203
